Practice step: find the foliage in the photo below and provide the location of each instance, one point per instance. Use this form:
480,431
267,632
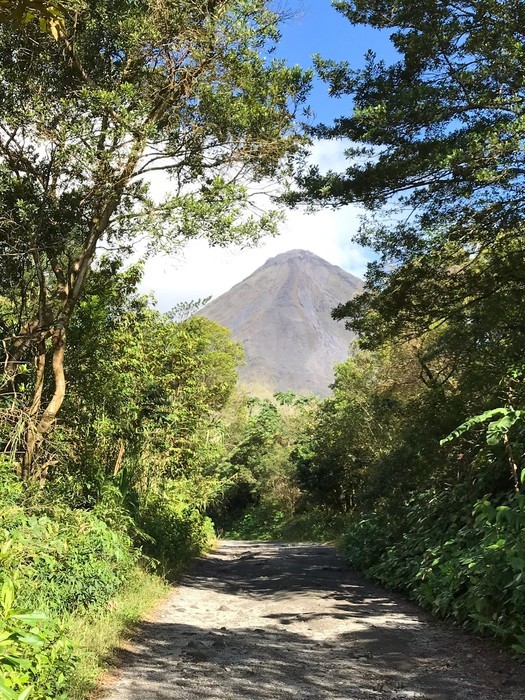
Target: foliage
497,429
266,522
144,405
435,151
434,148
34,656
127,90
71,559
96,633
503,420
137,458
440,522
50,15
470,568
178,529
375,438
69,564
56,561
261,474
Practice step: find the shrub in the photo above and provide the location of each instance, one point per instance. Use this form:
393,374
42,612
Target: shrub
64,559
56,561
35,656
177,531
463,563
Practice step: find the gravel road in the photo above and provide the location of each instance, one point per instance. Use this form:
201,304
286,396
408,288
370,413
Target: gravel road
265,621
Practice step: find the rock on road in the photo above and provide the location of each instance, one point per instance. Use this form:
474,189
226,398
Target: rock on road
265,621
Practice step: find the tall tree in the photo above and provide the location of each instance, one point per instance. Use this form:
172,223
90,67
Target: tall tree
145,397
436,153
128,89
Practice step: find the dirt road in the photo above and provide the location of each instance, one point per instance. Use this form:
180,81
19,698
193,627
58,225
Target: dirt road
266,621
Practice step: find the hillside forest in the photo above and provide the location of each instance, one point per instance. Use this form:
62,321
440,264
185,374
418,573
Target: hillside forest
127,444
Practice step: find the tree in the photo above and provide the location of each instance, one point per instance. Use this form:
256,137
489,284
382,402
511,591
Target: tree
436,153
19,12
129,89
148,397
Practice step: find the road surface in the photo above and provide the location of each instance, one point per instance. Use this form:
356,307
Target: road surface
269,621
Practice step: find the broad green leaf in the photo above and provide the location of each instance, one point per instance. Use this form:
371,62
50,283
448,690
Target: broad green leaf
6,692
30,618
15,661
31,639
497,429
507,417
7,595
26,693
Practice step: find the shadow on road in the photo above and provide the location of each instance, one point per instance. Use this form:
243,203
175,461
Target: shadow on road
327,634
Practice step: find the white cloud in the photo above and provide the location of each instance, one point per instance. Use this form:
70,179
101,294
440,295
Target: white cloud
200,271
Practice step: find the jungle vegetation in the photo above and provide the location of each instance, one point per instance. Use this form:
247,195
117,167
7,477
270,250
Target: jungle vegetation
124,435
423,440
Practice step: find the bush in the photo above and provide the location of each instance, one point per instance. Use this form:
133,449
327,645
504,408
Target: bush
176,530
55,561
265,522
63,559
67,563
468,566
35,656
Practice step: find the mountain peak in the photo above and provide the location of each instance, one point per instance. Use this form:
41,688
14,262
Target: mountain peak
295,255
282,315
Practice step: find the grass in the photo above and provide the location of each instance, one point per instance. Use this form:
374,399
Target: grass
97,634
266,523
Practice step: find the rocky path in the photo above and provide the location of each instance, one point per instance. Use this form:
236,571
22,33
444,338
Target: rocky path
265,621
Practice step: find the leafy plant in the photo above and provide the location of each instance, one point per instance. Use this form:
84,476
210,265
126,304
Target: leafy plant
505,419
469,567
502,420
35,657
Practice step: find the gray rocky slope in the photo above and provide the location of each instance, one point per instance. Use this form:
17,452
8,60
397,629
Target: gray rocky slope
282,315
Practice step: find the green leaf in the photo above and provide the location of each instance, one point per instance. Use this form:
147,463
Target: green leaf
31,639
518,563
7,595
30,618
6,692
5,547
496,429
15,661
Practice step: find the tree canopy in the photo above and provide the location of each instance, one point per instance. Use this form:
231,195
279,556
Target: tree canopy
127,91
435,152
19,12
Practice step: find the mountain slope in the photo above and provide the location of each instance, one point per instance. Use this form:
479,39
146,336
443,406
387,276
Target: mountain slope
281,314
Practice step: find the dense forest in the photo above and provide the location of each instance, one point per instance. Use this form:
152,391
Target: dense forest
126,441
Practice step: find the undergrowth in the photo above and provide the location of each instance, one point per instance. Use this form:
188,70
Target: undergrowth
71,582
268,523
468,567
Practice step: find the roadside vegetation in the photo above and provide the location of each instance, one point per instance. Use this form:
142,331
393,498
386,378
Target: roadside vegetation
112,434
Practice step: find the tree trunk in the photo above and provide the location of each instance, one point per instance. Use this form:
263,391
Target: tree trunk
120,457
39,381
37,433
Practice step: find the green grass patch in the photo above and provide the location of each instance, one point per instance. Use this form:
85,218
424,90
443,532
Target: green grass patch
97,633
266,523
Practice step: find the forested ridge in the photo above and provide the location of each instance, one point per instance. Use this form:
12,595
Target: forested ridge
125,438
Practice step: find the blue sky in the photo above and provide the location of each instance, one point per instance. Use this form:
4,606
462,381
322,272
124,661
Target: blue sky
198,271
317,28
